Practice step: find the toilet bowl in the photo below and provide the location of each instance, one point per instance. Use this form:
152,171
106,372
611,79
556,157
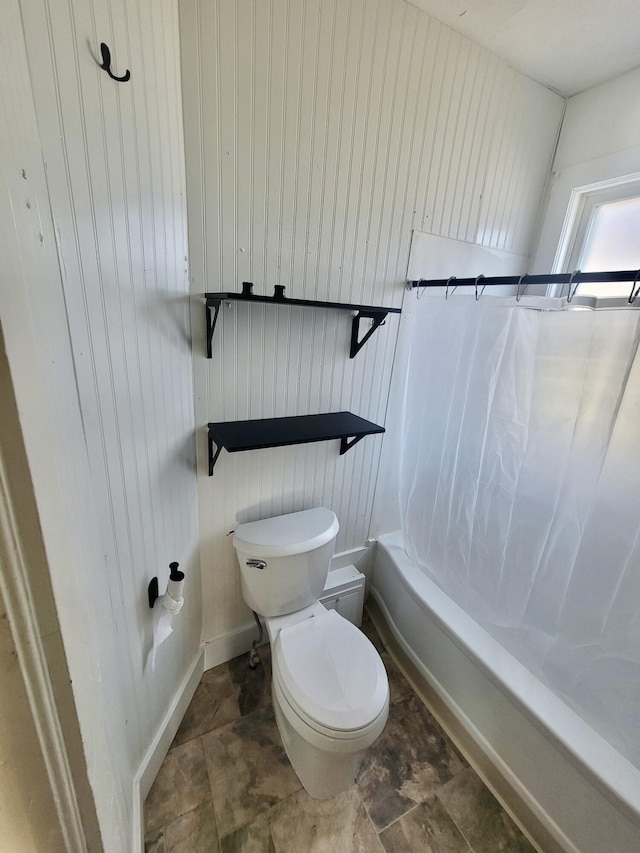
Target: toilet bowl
329,687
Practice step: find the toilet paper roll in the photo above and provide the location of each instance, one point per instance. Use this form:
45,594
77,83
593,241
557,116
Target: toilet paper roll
162,629
164,609
172,599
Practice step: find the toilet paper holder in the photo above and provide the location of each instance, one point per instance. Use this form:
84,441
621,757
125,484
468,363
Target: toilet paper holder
152,590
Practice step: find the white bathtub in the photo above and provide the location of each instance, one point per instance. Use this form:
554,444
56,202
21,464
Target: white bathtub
561,781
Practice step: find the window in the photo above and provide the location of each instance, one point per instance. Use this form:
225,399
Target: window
605,236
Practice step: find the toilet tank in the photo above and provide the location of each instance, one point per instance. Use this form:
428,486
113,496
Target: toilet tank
284,560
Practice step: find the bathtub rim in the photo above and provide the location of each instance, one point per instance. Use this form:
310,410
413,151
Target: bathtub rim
613,775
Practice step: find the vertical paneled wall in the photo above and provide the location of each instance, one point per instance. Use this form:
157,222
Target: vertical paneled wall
600,142
115,351
319,133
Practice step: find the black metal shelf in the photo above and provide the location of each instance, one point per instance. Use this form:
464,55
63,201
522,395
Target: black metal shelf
236,436
370,312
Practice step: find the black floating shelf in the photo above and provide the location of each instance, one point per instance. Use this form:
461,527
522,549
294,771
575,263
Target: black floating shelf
370,312
235,436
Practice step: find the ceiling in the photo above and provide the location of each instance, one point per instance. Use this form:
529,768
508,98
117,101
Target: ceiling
567,45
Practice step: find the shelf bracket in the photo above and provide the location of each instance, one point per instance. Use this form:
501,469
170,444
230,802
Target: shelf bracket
345,444
356,345
211,317
213,456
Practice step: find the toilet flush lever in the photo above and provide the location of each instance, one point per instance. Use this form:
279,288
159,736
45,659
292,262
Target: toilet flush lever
257,564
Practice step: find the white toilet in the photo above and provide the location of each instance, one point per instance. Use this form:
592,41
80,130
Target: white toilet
329,686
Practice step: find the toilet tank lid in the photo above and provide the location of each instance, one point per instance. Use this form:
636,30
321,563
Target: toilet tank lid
286,535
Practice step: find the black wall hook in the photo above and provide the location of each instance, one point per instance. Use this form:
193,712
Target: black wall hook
152,591
106,64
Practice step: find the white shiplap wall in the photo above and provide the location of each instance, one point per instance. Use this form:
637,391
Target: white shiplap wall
599,144
318,134
98,338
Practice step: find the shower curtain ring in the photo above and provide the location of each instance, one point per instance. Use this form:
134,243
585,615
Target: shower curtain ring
482,291
524,289
572,293
424,287
449,280
634,290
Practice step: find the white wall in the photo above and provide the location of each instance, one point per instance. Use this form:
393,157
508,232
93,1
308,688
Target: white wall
318,134
42,762
94,310
27,810
601,121
600,141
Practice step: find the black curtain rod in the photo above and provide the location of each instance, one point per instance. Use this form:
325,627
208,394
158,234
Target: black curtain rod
573,278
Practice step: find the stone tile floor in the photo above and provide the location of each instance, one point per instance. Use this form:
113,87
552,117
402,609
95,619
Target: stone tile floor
226,784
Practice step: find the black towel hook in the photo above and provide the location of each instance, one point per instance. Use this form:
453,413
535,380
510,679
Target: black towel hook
106,64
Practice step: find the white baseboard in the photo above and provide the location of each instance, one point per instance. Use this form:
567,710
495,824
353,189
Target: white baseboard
155,754
231,645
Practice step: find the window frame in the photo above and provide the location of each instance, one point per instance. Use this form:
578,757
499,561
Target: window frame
579,218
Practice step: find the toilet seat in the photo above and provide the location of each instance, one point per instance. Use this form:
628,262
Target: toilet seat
327,740
331,675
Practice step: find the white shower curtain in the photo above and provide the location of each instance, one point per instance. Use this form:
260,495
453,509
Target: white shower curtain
520,488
